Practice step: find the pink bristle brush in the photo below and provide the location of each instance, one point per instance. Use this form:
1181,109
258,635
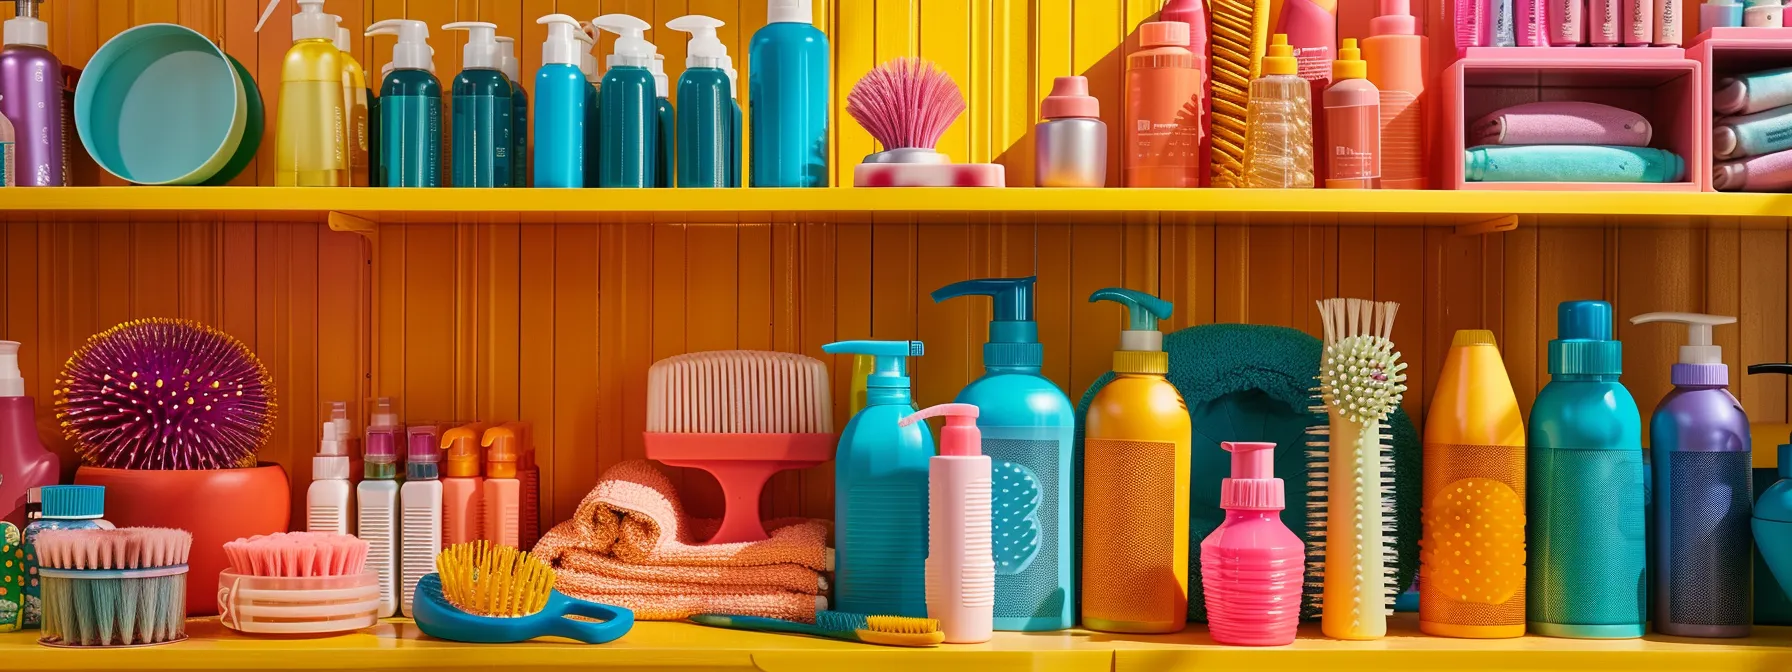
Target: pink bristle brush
112,588
907,104
298,583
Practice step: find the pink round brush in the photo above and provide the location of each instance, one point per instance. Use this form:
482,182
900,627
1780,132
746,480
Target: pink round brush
906,104
298,583
104,588
297,554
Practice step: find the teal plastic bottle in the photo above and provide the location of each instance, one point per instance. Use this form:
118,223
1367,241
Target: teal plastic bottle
560,95
482,109
410,109
1027,426
880,491
666,120
787,87
628,124
706,125
519,113
1585,524
1771,522
376,174
593,76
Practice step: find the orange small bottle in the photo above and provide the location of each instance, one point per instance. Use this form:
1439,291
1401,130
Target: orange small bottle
1165,85
1395,53
529,481
502,489
461,485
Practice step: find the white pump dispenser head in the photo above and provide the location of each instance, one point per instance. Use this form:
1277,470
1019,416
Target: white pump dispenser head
507,58
632,49
662,85
561,47
12,383
342,38
412,51
481,52
588,60
790,11
705,49
311,23
1698,348
25,28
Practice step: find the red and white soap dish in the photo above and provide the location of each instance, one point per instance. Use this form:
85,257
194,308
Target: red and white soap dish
917,167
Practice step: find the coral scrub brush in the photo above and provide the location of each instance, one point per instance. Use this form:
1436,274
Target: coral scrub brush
907,104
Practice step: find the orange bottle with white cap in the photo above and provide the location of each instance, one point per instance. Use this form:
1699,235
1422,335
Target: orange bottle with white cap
462,500
502,489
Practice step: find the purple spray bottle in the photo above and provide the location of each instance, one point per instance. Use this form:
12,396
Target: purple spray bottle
31,98
1703,493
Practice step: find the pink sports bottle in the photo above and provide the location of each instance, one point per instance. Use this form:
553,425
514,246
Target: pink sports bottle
1252,567
961,571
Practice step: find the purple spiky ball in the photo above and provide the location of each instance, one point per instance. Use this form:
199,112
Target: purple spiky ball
165,394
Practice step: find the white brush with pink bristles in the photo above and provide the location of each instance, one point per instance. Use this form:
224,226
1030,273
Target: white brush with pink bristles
907,104
298,583
113,588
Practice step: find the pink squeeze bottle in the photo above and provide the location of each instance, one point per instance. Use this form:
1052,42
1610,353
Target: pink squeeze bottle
1253,566
961,566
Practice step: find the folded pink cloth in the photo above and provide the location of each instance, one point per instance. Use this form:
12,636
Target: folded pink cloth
630,544
1766,173
1561,122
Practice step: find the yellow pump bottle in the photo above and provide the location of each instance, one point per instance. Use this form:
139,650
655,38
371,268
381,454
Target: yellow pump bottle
311,147
1135,503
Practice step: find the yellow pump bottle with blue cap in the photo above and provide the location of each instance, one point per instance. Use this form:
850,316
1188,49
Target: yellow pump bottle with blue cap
1135,480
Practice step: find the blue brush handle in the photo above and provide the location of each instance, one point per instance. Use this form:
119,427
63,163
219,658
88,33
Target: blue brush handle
763,624
616,620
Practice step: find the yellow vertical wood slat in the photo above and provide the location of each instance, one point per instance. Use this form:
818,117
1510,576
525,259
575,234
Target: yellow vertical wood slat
854,40
156,251
344,280
25,293
536,352
1012,110
468,264
112,268
757,322
302,406
272,44
1521,344
624,290
943,36
429,324
1098,52
952,353
817,307
1401,279
575,381
503,314
1763,335
273,336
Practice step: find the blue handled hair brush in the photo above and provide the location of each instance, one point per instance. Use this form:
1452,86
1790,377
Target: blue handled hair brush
487,594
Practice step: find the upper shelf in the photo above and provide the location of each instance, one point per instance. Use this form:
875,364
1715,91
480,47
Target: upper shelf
1438,208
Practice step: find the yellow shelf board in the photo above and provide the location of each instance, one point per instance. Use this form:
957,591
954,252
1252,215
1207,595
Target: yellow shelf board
397,644
429,204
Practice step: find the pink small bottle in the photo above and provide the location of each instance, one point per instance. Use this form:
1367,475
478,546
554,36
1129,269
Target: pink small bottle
1352,153
1253,566
961,567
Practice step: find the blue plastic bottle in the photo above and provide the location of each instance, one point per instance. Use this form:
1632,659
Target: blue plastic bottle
62,507
1584,522
410,110
706,127
880,492
666,120
1772,516
1027,426
560,95
628,123
519,113
1702,463
481,111
593,76
787,88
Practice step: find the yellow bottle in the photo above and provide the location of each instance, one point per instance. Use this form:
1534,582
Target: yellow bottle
311,142
1135,479
1472,554
354,96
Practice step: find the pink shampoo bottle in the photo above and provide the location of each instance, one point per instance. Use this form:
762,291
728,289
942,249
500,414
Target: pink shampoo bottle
1194,13
1352,152
24,462
961,567
1253,566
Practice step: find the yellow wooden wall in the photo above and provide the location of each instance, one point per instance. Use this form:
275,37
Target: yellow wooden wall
501,317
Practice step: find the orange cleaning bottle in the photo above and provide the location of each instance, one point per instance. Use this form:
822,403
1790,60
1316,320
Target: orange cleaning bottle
462,501
1472,554
502,489
1135,479
1165,84
528,477
1395,52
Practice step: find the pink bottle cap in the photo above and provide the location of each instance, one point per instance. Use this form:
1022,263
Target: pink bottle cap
1396,19
1253,485
1163,34
960,436
1070,99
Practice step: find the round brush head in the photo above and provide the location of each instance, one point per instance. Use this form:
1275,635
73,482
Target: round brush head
113,588
165,394
1362,377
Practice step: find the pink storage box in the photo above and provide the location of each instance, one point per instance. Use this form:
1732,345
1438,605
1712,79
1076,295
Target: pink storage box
1722,52
1660,83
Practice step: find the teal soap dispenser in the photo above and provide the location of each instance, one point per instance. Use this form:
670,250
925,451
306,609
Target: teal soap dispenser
481,111
666,119
707,126
1027,425
1772,523
627,100
880,491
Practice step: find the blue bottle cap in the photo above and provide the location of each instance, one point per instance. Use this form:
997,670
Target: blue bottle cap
1583,343
73,501
1013,335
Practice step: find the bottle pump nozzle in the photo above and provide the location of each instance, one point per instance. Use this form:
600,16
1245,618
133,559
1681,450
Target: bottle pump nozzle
412,51
662,85
1701,363
507,58
1013,335
481,52
705,50
1141,345
25,28
960,436
311,23
588,60
889,366
632,49
562,45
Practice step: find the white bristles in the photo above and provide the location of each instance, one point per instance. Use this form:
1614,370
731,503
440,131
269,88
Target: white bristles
739,392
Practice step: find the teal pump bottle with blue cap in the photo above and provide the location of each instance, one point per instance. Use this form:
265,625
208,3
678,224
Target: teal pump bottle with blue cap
481,111
560,97
1027,426
628,122
880,491
706,119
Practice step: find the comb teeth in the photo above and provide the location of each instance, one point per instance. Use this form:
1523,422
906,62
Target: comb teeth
297,554
739,392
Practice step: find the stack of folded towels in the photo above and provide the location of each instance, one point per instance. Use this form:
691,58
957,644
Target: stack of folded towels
1751,138
1566,141
630,544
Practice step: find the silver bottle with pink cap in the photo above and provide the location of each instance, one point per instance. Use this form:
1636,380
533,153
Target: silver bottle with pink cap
1071,142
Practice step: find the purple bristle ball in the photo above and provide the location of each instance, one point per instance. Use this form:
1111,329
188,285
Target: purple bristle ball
165,394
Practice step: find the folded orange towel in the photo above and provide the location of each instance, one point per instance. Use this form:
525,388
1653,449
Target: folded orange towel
630,544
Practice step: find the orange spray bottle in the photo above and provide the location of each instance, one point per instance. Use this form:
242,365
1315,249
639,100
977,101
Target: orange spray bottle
462,500
1135,479
502,489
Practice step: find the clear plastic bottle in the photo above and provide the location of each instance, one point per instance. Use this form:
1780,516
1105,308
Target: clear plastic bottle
1278,146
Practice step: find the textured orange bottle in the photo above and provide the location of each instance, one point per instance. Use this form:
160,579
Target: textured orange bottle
462,498
1165,83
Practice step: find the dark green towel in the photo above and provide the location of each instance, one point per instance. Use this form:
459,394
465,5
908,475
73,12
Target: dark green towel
1247,382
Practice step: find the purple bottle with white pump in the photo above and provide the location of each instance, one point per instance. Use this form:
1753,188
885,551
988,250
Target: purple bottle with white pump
31,98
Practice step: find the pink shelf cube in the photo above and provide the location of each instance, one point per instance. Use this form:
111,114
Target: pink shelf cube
1724,52
1660,83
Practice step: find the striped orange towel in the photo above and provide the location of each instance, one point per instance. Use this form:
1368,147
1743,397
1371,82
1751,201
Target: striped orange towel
630,544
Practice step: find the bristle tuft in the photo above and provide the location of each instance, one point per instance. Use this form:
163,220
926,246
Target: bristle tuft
906,103
486,580
739,392
297,554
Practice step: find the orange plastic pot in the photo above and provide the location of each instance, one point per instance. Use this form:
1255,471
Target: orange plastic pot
216,505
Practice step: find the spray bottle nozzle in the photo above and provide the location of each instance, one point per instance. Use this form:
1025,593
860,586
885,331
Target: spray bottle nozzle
960,436
481,51
889,368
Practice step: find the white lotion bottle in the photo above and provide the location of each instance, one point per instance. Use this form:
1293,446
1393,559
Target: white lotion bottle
421,498
377,520
327,502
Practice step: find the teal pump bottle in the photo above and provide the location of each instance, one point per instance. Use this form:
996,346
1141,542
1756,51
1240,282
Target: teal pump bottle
880,491
787,87
1584,522
410,109
593,76
666,119
1772,519
1027,426
481,110
560,95
707,124
519,112
628,124
737,155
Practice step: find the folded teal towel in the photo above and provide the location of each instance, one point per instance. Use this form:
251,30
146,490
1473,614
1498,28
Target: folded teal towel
1571,163
1752,92
1763,132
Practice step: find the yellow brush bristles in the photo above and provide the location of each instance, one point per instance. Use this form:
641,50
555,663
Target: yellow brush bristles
487,580
903,625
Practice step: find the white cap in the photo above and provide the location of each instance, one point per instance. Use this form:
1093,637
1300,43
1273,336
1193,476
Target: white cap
507,58
311,23
339,417
412,51
790,11
662,85
12,383
733,77
331,462
587,60
1698,348
341,38
481,52
632,50
27,31
561,47
705,49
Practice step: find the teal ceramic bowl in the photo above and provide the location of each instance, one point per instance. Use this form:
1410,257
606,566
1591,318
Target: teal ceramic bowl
160,104
253,127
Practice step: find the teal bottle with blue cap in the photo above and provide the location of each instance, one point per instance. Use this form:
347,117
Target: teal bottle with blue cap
1027,426
880,491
